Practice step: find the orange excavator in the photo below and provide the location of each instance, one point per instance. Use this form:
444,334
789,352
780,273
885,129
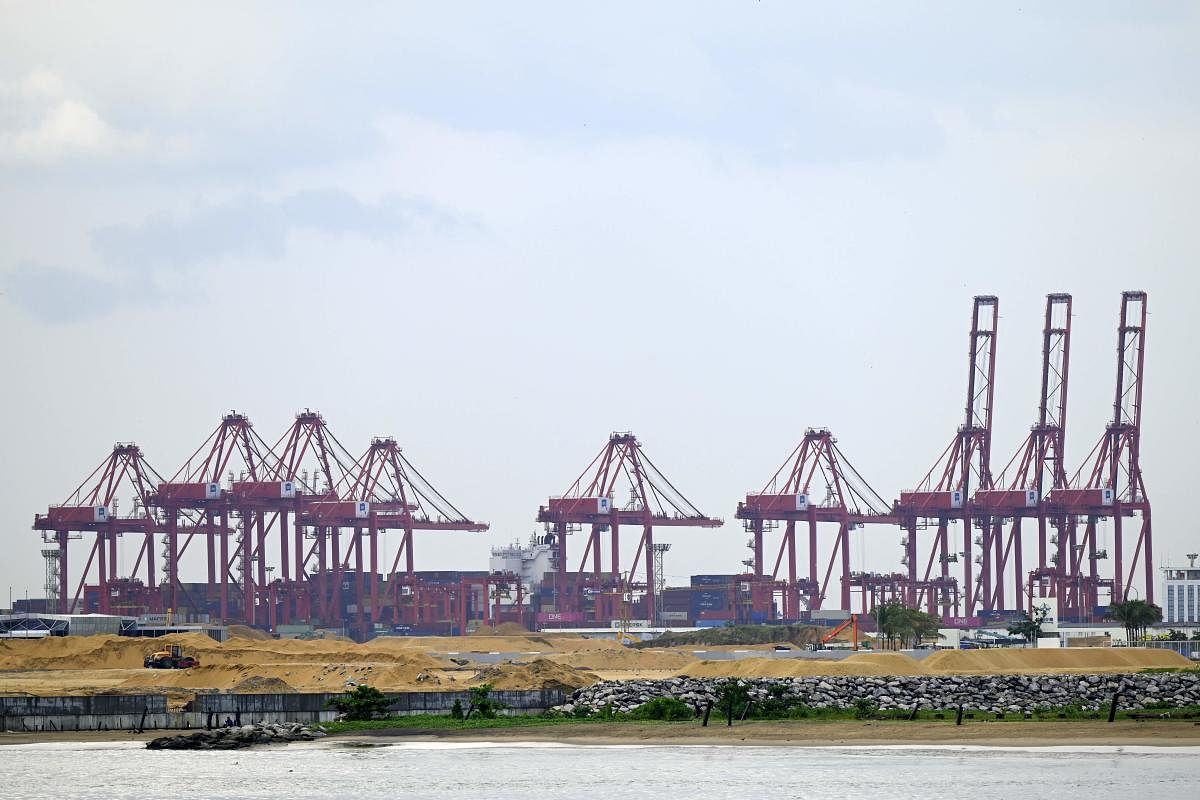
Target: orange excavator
851,623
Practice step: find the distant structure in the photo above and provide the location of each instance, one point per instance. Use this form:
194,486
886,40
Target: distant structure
302,534
530,561
1183,594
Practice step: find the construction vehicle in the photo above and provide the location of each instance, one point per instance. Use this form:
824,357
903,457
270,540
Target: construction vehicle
171,657
852,623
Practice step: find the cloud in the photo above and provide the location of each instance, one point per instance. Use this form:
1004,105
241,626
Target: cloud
250,226
58,295
144,262
43,123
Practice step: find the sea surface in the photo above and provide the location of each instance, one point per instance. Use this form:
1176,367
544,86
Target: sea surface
545,771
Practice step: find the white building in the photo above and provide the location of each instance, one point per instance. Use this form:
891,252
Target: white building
530,561
1183,594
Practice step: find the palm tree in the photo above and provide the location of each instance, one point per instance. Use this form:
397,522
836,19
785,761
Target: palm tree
1135,616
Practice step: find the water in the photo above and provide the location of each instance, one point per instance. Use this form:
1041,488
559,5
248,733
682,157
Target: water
547,771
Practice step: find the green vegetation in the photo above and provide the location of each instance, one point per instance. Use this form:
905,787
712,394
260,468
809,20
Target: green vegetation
1031,625
1135,616
481,704
799,635
900,625
800,713
733,698
663,708
362,703
865,708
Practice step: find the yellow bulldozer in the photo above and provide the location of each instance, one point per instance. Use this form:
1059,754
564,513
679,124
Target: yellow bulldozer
171,657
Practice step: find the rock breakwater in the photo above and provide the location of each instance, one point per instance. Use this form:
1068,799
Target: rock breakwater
234,738
998,693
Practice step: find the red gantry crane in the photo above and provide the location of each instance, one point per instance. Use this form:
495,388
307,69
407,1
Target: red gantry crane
788,497
387,492
1112,487
944,494
195,493
92,508
590,501
1040,469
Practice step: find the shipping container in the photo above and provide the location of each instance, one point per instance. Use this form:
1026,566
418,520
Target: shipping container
715,614
580,505
710,580
710,623
185,492
675,616
999,499
78,514
264,490
777,503
932,501
561,616
1085,498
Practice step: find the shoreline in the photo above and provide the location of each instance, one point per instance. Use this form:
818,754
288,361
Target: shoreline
839,733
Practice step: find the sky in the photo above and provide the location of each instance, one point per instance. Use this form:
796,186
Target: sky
499,232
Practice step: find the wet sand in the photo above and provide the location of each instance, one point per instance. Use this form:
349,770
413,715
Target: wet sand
817,733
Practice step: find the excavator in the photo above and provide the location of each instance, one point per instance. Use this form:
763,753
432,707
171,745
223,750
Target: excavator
852,623
171,657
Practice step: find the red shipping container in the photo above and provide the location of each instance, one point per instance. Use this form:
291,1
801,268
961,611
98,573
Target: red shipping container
774,503
932,501
995,499
264,490
1088,498
715,615
580,505
175,492
78,514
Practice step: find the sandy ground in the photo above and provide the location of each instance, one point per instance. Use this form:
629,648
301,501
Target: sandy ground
829,733
88,665
1155,733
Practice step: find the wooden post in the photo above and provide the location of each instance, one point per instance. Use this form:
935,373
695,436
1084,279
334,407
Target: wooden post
958,720
707,711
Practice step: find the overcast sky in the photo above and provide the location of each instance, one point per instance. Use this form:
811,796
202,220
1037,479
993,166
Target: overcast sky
500,231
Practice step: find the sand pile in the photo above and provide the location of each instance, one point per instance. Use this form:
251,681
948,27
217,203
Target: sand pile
503,629
1067,659
259,685
541,673
95,652
625,660
882,664
246,632
299,677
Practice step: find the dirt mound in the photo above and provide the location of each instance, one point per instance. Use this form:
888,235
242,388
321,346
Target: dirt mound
246,632
624,659
749,635
300,677
540,673
894,663
799,667
259,685
503,629
96,652
1067,659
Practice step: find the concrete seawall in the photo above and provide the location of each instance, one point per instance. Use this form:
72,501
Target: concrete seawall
150,712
